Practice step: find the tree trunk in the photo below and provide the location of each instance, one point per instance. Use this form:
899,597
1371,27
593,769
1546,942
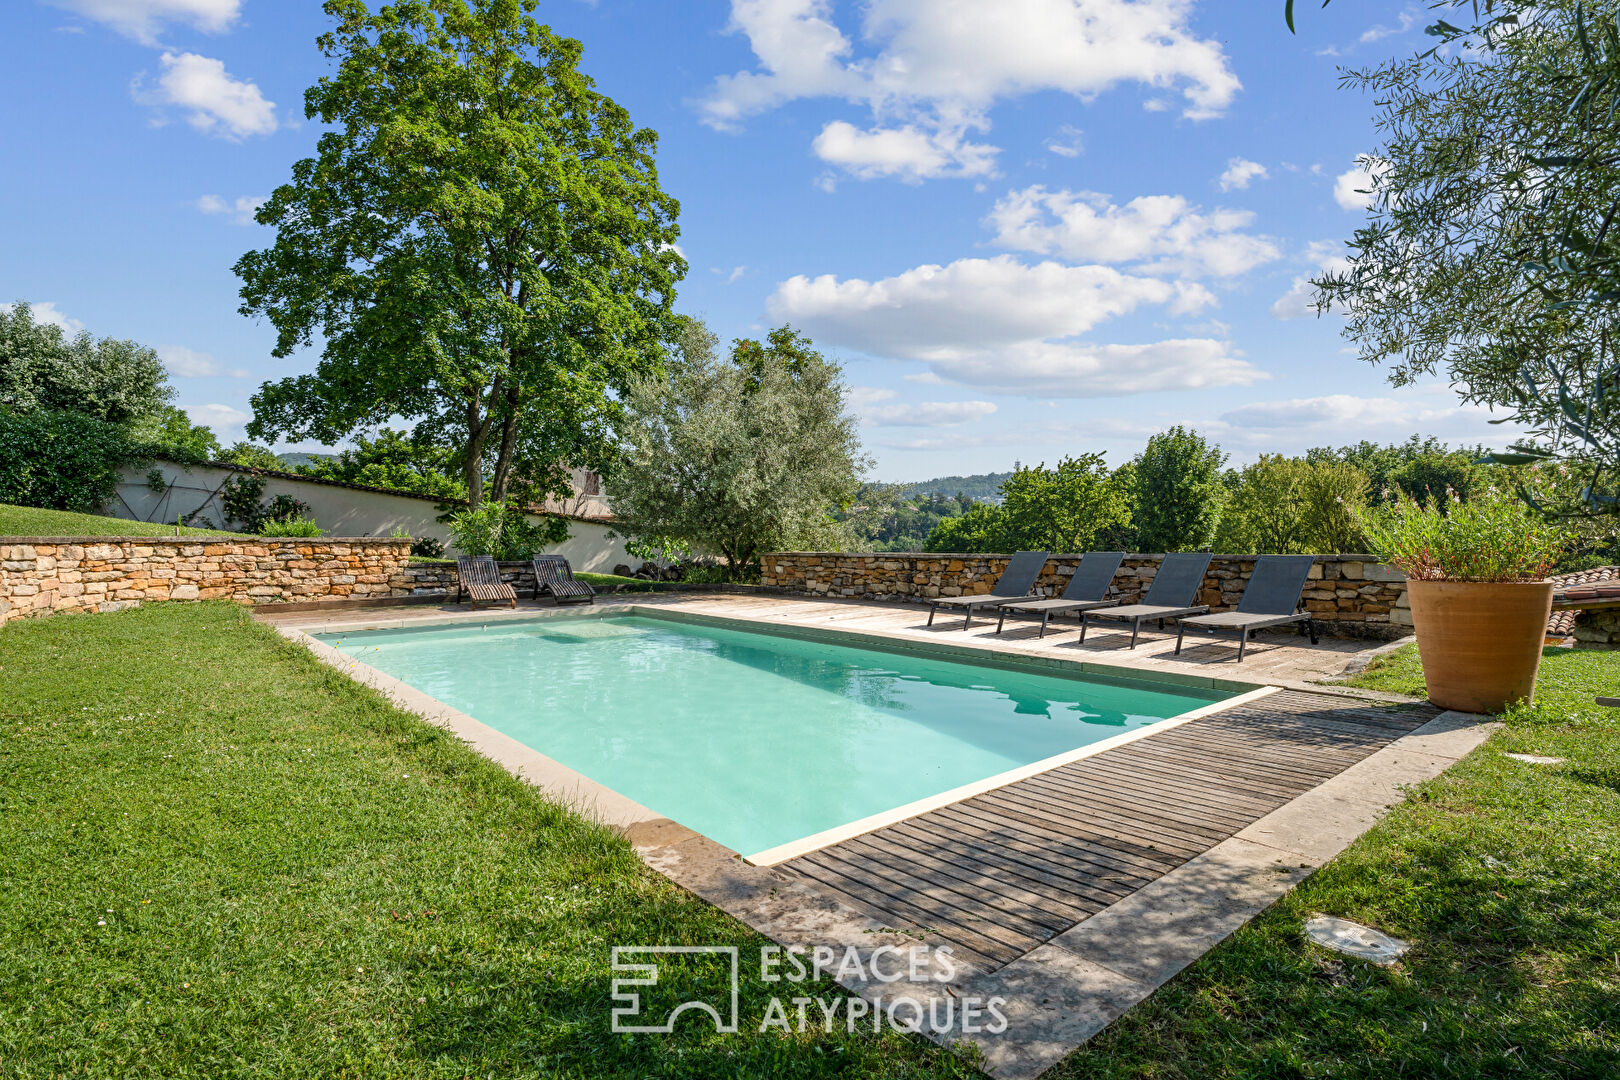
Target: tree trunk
503,459
473,468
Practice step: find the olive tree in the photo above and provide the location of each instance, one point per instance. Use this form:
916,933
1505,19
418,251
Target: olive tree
737,455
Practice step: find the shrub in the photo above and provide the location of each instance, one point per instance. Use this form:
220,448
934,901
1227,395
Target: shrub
60,460
426,547
290,526
504,531
1495,538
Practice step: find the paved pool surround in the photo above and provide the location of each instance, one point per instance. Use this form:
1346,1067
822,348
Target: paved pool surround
1348,595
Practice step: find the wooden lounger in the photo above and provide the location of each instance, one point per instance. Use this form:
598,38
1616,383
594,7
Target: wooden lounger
553,575
479,579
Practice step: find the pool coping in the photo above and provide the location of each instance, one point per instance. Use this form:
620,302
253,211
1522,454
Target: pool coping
1059,994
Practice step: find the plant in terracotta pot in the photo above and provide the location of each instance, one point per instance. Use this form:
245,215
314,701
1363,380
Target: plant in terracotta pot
1476,577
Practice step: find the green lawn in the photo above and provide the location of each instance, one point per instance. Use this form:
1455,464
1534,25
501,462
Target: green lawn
1568,681
296,879
31,521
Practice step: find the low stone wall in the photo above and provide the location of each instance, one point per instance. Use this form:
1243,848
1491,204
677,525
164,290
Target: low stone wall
41,575
1350,595
439,578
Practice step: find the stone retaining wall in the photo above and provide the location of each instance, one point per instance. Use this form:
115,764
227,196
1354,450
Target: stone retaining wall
1350,595
41,575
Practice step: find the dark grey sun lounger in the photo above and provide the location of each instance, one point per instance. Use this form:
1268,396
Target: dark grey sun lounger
1017,582
480,579
1270,599
1173,594
553,575
1087,590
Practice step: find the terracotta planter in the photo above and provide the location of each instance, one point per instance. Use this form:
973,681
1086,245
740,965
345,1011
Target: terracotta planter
1480,641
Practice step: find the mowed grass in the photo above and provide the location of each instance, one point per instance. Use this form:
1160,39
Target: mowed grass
32,521
1568,682
304,881
1504,876
219,858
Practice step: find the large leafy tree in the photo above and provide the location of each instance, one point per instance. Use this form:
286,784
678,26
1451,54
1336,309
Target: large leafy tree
480,241
738,455
1178,491
1491,254
120,382
1065,508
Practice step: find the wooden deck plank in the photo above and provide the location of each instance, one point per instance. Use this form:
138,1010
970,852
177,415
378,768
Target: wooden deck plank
998,873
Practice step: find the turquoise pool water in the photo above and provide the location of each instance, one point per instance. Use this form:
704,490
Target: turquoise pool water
751,739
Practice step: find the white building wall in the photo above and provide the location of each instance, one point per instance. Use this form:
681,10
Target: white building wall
340,511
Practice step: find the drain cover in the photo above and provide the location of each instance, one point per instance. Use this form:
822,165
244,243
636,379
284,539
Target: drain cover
1353,939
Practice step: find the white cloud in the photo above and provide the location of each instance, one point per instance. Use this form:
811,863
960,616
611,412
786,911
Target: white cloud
239,211
1067,142
1353,188
928,413
1155,233
190,364
906,153
1291,425
1003,325
213,101
1299,301
936,67
142,19
927,378
45,313
226,421
1240,174
1406,21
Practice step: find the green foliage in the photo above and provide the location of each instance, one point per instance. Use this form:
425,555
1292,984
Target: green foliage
979,487
982,529
895,517
1177,492
239,498
738,456
1281,506
504,531
1492,247
427,547
1063,509
294,525
60,460
169,433
40,368
394,460
252,456
481,243
1493,538
1423,469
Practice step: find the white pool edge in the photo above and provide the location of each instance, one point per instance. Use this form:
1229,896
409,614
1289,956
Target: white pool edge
794,848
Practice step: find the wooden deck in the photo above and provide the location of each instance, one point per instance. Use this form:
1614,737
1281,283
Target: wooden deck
996,875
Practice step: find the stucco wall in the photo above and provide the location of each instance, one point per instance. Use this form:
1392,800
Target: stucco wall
1351,595
343,511
42,575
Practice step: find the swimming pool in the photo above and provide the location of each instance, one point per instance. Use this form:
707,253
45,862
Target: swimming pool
756,740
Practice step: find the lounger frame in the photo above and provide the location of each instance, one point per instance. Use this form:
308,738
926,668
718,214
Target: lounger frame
1272,598
1020,574
553,575
1087,591
1181,574
479,579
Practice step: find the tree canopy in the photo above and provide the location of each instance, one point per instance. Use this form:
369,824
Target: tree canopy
481,243
1178,491
738,455
42,368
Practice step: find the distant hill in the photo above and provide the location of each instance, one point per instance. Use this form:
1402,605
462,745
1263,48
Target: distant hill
292,461
985,487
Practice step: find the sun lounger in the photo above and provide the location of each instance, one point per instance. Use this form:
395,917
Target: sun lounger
1174,593
480,579
1086,591
553,576
1017,582
1270,599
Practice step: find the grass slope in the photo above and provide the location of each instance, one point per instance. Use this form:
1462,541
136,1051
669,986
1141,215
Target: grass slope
296,879
32,521
220,859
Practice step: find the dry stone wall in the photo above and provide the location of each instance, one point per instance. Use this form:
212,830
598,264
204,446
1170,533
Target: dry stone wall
1350,595
41,575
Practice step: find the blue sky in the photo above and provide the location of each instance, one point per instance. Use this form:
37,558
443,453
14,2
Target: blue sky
1027,228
